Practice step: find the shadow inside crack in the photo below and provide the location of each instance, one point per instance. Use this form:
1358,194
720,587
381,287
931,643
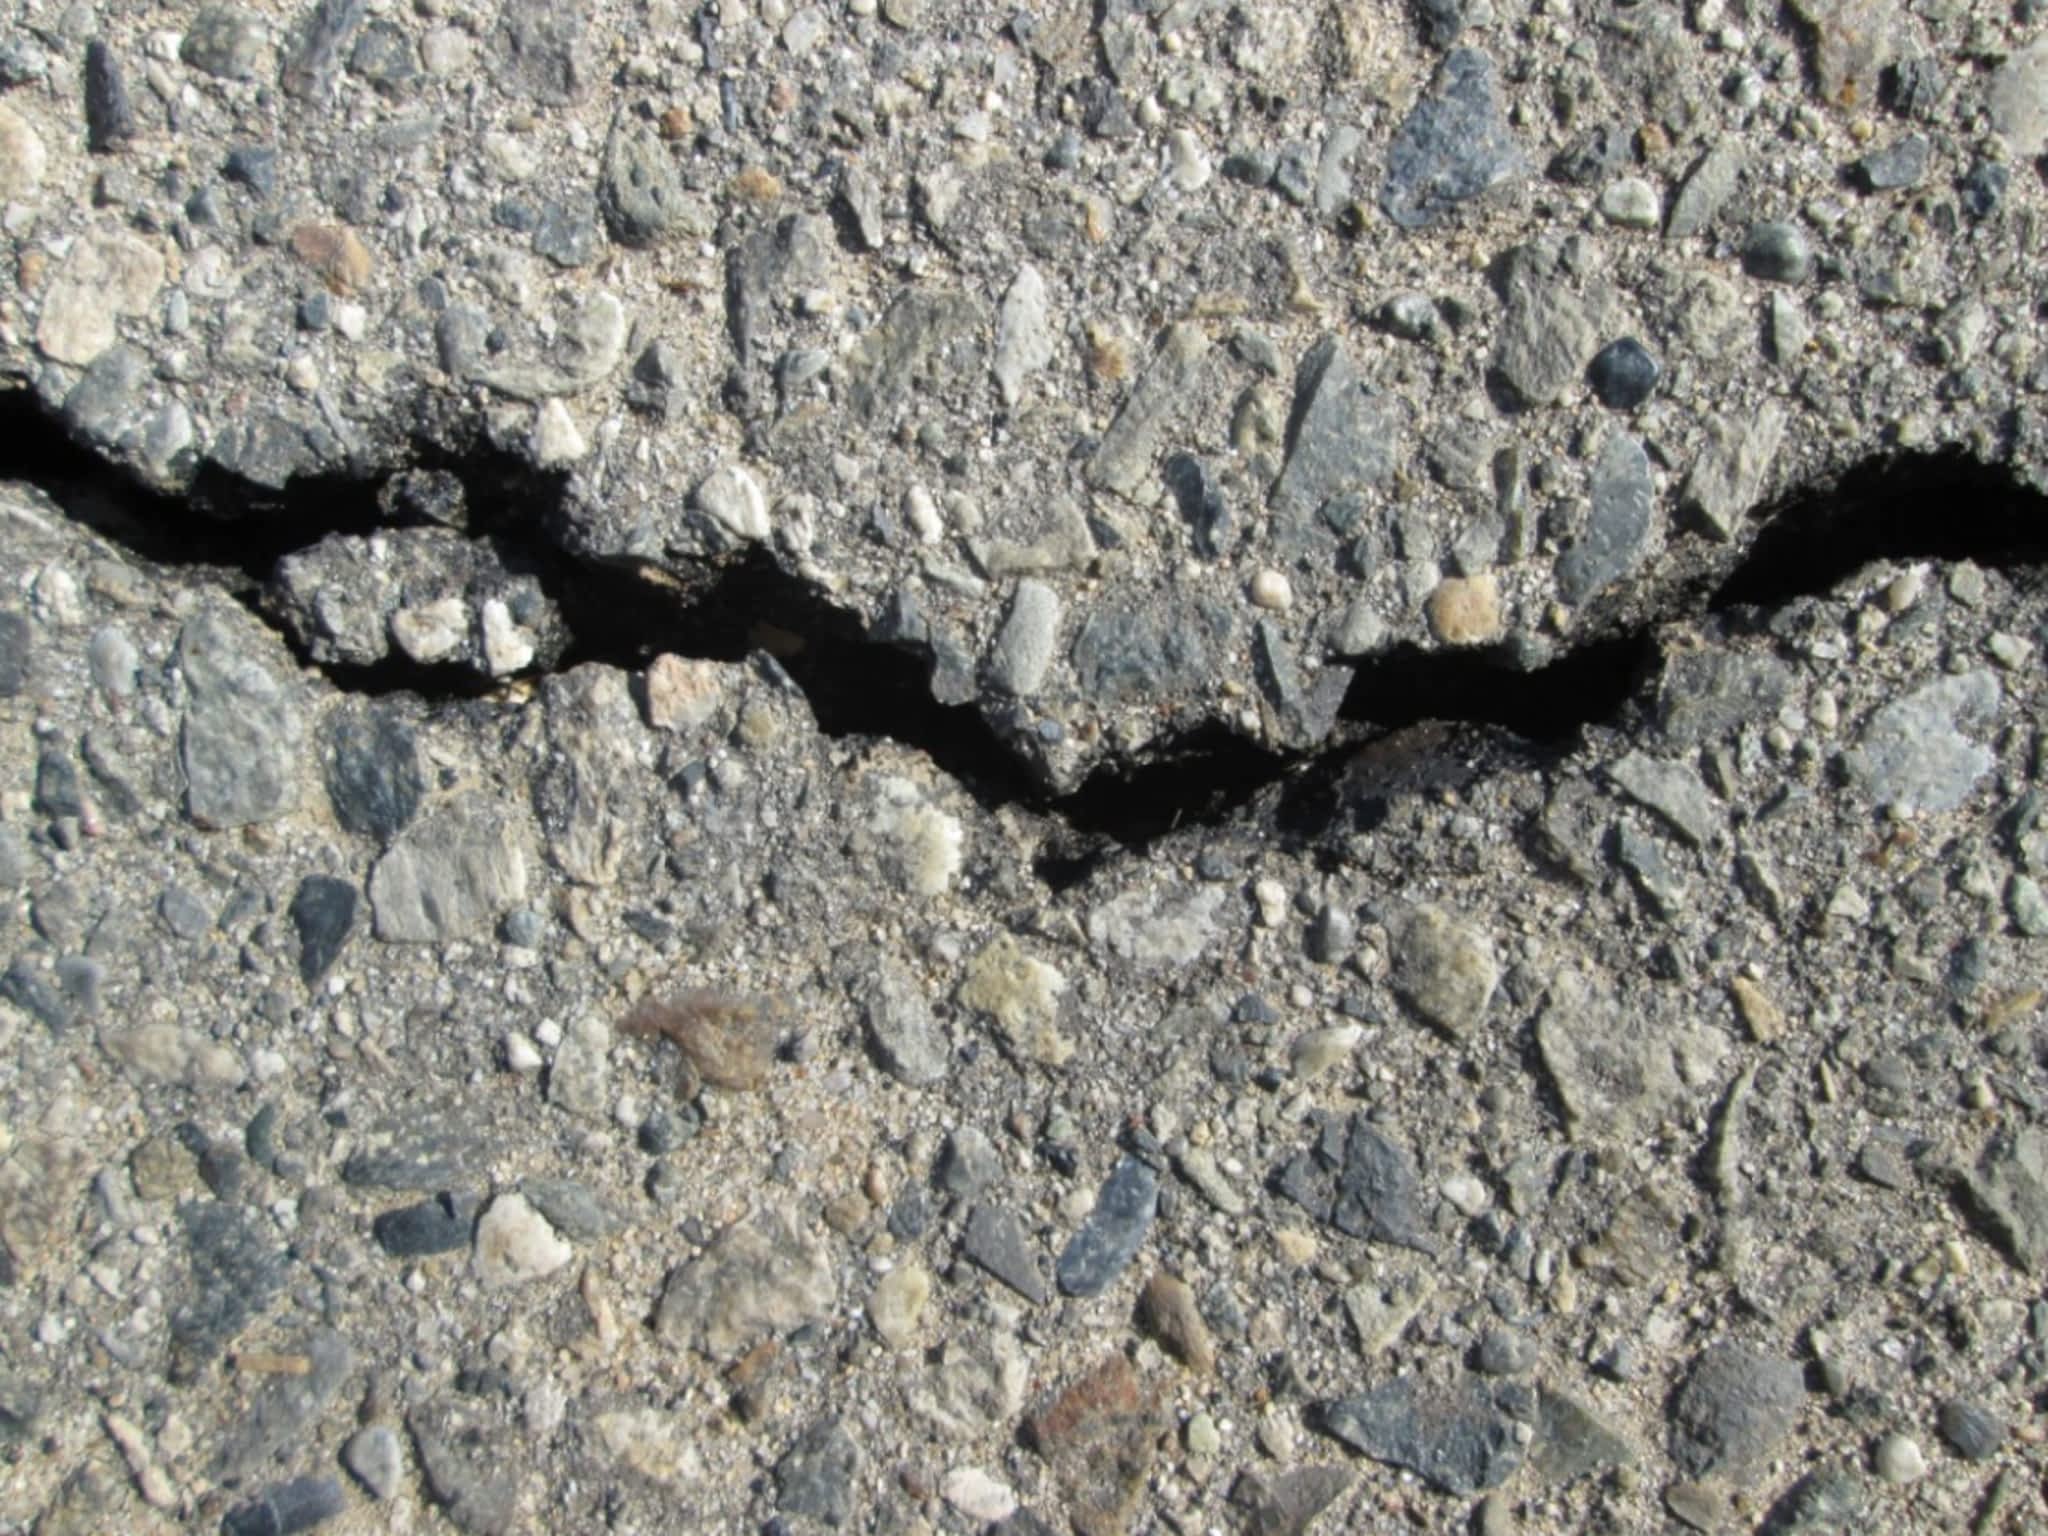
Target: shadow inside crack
1413,721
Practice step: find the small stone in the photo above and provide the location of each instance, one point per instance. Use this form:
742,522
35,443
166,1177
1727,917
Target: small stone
449,877
1674,790
1972,1431
1622,374
2018,99
815,1476
1340,437
759,1278
1728,478
109,274
908,1041
1920,752
223,41
375,1459
1705,189
1631,203
514,1244
1456,1438
732,499
1902,163
16,648
897,1303
580,1079
978,1496
1168,1313
1736,1404
1572,1443
1288,1503
323,911
1113,1232
1466,610
1454,145
1270,590
641,192
728,1040
968,1163
109,115
239,744
681,695
1777,252
288,1508
373,773
1549,334
1021,993
1899,1460
997,1243
1444,969
1024,646
556,439
1125,459
1188,166
468,1465
440,1225
335,253
23,160
431,632
237,1266
1618,525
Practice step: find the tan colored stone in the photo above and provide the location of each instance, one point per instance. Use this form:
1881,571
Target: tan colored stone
335,253
23,160
109,273
1465,610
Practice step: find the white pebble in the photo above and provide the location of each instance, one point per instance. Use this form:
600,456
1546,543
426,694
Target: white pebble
978,1496
1270,589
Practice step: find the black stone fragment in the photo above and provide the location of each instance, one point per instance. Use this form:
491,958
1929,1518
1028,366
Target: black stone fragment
14,653
1359,1182
1454,145
815,1476
324,912
34,996
1983,188
1459,1438
109,115
373,772
236,1268
298,1505
1623,374
316,52
1972,1431
440,1225
1200,501
1111,1236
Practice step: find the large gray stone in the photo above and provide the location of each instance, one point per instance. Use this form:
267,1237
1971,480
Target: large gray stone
240,741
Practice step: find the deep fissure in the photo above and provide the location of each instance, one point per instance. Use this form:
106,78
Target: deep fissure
1914,506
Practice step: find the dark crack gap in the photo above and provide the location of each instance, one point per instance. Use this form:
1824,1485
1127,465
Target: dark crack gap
1413,720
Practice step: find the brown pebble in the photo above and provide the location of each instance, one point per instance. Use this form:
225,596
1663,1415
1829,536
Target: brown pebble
757,184
1167,1312
676,123
728,1040
334,252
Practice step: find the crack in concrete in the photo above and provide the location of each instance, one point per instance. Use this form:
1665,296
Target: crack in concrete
1411,719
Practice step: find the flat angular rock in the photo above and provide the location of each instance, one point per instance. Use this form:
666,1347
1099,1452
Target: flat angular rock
440,1225
1457,1438
1617,525
1921,751
815,1477
1111,1236
1615,1077
323,911
1361,1183
237,1266
1727,480
1339,437
1454,145
996,1241
2009,1189
1736,1404
907,1040
285,1407
1130,447
240,740
449,877
1444,969
759,1278
1287,1503
1674,790
467,1462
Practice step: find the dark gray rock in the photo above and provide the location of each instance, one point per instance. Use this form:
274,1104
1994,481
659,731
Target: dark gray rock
469,1464
265,449
1305,708
640,190
1623,374
1111,1236
282,1410
107,404
566,236
1457,1438
1359,1182
1339,437
543,49
1440,21
26,990
223,41
299,1505
323,911
440,1225
239,744
926,343
1707,186
423,1151
1833,1500
1972,1431
57,792
910,1044
320,43
14,653
1454,145
373,773
572,1208
1777,252
109,115
1131,652
1706,695
996,1241
1571,1442
236,1268
968,1163
1736,1404
1902,163
375,1459
2009,1190
1200,500
1287,1503
383,55
1983,188
1617,526
815,1476
1124,459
